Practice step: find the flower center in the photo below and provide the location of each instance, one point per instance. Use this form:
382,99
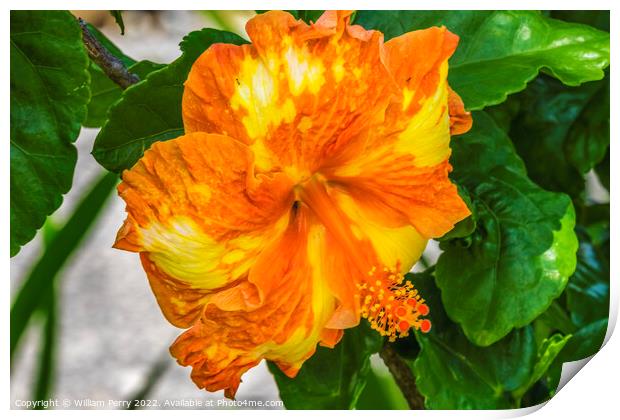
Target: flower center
391,304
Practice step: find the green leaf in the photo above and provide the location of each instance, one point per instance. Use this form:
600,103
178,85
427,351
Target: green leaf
588,137
309,16
381,393
150,111
542,129
453,373
484,148
585,342
587,294
587,299
523,249
118,18
548,351
39,282
331,378
49,93
104,92
393,23
500,51
597,18
504,113
556,318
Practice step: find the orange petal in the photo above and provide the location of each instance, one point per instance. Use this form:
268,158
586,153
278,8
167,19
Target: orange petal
355,250
198,218
460,120
285,327
297,95
423,197
271,244
399,171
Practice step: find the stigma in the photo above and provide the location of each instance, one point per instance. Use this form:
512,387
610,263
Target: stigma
391,304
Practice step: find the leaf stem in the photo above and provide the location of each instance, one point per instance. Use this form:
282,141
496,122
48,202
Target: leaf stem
111,66
403,376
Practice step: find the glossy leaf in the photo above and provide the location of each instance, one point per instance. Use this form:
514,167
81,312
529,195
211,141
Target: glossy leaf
331,378
453,373
150,111
523,249
49,93
500,51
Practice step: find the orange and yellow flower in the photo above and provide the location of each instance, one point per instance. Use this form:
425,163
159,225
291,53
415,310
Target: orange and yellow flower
313,171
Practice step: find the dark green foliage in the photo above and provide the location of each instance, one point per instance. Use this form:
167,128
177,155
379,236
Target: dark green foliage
562,132
522,252
331,379
453,373
49,93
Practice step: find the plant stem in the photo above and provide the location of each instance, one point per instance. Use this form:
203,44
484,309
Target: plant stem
111,66
403,376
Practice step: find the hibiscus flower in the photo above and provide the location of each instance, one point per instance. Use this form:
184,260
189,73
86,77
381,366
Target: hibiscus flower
313,171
